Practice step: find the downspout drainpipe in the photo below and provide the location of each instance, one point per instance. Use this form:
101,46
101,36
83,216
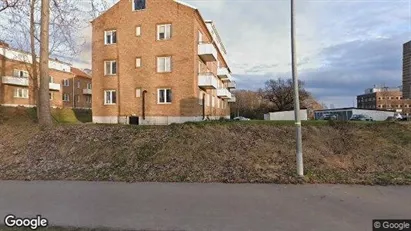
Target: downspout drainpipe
74,100
144,104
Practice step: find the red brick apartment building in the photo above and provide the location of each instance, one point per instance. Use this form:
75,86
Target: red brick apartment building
384,99
16,87
158,62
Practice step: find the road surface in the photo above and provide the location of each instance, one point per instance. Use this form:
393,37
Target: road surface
169,206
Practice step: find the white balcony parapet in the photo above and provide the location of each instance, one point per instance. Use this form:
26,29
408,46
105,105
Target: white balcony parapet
232,99
11,80
232,85
207,81
54,87
223,93
223,74
207,52
87,91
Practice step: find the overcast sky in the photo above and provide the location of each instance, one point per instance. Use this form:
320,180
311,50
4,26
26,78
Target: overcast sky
343,46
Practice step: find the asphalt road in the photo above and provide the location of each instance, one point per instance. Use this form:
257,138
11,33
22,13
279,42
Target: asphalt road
159,206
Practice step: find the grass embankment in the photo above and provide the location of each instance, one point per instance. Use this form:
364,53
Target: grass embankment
233,152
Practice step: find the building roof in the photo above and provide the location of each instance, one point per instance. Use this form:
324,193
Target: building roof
79,73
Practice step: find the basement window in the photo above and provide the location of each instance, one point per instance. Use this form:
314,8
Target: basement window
139,5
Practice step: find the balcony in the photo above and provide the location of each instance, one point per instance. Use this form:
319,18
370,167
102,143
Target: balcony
18,81
231,85
54,87
223,93
87,91
232,99
207,81
224,74
207,52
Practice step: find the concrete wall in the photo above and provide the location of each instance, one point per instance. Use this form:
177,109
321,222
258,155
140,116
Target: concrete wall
285,115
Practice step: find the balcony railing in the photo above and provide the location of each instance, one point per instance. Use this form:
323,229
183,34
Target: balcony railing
18,81
207,81
232,99
232,85
207,52
223,93
87,91
224,74
54,87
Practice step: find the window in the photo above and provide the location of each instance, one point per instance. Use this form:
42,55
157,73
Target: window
20,73
110,67
88,99
110,37
164,32
66,82
138,92
200,37
89,86
66,97
164,96
212,101
21,93
51,95
77,98
51,79
139,5
200,98
78,84
138,62
110,97
138,30
164,64
218,103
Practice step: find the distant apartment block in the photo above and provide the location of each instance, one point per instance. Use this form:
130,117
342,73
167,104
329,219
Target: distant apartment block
406,70
158,62
384,98
68,86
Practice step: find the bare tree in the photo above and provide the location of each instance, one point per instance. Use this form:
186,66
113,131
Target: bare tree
44,100
5,4
280,93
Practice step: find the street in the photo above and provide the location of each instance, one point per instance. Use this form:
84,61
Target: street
177,206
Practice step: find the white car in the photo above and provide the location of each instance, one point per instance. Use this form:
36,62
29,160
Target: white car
241,118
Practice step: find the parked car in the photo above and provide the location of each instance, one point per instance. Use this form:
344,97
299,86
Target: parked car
241,118
328,117
361,117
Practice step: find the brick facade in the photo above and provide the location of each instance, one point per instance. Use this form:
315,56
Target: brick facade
16,76
133,84
385,100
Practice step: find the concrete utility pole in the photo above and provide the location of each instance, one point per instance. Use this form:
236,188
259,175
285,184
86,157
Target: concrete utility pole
299,146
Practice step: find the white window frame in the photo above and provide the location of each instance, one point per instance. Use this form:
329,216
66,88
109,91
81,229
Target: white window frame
78,83
66,82
138,92
108,37
165,96
20,73
133,6
66,97
21,93
88,99
138,62
77,98
111,67
89,86
167,64
138,31
109,101
167,31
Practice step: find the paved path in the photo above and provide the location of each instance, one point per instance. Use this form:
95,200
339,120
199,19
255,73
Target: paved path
158,206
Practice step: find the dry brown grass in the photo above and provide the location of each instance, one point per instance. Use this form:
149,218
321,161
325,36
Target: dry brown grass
372,153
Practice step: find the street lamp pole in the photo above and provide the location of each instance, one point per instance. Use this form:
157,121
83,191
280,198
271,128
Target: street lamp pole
299,147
